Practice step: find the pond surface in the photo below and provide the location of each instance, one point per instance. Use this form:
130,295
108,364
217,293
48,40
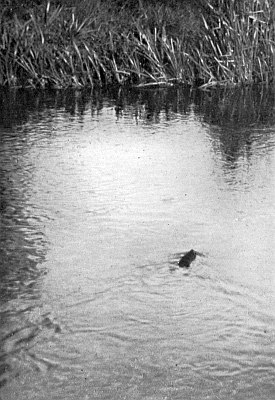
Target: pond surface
101,193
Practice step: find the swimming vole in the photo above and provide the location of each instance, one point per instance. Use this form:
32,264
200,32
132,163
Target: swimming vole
186,260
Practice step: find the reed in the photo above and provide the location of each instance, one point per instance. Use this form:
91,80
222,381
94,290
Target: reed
51,48
95,43
239,43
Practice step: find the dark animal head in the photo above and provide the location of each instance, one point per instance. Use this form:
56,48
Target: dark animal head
186,260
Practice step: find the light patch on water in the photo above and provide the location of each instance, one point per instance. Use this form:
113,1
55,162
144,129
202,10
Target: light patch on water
97,209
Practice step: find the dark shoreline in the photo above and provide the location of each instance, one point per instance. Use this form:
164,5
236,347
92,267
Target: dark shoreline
94,43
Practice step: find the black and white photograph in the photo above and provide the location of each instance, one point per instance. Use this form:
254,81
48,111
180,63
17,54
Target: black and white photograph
137,199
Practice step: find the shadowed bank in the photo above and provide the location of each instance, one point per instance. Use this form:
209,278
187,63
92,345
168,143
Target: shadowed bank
85,43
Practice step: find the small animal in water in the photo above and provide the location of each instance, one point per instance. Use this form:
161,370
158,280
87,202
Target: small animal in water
186,260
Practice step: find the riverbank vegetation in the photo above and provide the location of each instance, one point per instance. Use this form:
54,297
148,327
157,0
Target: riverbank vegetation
97,42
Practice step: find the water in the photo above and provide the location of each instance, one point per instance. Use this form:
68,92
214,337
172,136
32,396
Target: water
100,196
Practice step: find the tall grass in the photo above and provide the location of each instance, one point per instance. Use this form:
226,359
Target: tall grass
95,43
239,45
52,47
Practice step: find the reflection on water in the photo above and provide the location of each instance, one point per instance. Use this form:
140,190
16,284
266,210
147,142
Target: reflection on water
100,195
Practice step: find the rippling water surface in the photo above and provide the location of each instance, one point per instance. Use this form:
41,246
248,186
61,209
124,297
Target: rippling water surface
100,196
